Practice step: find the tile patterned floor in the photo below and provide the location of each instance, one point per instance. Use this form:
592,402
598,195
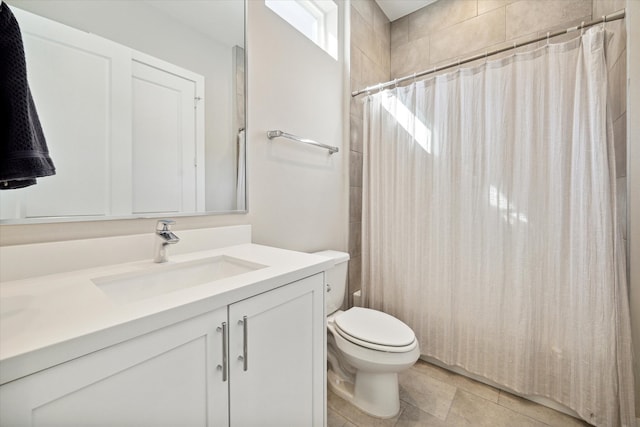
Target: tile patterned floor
432,396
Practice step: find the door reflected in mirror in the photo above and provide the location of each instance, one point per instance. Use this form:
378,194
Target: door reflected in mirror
143,107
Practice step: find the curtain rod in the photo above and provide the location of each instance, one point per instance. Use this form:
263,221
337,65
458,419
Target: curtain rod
605,18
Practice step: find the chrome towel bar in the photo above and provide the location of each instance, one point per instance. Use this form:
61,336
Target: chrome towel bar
278,133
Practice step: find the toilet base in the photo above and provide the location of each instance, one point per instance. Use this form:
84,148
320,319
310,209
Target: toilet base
373,393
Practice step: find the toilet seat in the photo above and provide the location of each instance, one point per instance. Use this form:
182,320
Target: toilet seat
375,330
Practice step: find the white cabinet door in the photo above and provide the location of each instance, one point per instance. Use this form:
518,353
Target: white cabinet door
169,377
277,357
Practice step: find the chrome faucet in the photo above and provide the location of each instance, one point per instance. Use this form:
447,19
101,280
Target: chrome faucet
164,237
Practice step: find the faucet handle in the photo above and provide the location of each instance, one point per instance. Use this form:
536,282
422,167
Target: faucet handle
163,224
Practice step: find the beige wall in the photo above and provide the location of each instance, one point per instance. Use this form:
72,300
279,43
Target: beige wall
297,195
370,64
449,30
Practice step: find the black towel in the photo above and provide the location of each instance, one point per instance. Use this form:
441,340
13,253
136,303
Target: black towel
23,149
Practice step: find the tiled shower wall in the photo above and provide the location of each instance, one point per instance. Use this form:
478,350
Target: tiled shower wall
370,64
450,29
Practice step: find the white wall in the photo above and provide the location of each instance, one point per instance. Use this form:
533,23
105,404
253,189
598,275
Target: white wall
298,192
633,177
297,197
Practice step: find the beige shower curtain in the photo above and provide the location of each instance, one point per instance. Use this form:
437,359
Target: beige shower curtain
490,227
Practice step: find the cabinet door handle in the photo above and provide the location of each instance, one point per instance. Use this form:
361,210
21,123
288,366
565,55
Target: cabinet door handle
245,337
224,351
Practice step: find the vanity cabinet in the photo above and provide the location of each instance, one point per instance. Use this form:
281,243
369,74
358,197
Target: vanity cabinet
272,345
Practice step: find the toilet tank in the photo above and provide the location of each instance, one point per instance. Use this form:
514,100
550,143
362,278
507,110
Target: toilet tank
336,280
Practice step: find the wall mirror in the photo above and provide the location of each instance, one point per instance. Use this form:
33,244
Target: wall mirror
143,107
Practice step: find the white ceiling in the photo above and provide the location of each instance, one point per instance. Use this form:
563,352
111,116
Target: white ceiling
395,9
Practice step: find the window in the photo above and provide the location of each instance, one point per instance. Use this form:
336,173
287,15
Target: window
316,19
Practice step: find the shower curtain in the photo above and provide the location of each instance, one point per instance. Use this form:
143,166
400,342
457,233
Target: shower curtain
490,227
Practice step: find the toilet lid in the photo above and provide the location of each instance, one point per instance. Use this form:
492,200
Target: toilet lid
374,327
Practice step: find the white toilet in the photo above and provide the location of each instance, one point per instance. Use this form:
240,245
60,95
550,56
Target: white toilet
365,348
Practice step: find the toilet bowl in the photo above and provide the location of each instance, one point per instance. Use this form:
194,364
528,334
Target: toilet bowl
366,349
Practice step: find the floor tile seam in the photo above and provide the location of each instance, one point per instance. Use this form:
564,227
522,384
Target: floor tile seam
347,419
443,377
341,416
449,378
502,392
446,418
520,413
477,395
344,423
402,409
337,411
430,413
355,423
481,385
418,408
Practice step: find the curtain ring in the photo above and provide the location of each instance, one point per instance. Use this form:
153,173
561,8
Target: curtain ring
548,34
582,28
486,56
414,77
604,21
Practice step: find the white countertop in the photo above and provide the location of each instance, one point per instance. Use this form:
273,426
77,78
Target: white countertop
47,320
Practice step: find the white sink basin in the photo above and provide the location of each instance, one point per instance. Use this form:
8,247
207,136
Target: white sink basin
165,278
